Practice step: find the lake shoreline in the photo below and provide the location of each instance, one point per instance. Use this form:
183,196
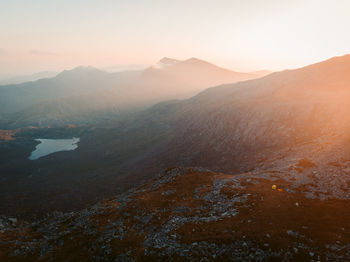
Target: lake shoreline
50,146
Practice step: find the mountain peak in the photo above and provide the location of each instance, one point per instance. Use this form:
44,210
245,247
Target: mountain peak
80,70
193,61
166,62
85,68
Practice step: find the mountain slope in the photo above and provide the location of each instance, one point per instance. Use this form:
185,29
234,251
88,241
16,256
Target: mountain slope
283,142
190,76
25,104
250,118
77,82
230,128
26,78
190,214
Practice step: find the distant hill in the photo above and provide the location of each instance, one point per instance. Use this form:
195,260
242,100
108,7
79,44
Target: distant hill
262,72
268,124
74,95
77,82
26,78
232,128
68,97
187,78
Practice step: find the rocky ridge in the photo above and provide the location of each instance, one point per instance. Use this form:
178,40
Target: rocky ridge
196,215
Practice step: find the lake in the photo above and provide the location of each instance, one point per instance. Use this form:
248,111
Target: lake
49,146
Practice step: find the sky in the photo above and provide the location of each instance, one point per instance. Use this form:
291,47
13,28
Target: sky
243,35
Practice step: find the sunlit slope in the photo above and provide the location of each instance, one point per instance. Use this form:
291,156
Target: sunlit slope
233,126
189,214
275,120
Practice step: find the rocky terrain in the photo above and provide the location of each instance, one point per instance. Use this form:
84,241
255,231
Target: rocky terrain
278,151
196,215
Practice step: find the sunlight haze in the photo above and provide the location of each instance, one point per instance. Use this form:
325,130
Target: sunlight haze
240,35
184,130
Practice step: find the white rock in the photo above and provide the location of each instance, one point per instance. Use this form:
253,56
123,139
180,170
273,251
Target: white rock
13,220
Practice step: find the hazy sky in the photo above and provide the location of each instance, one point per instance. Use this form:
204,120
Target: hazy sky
242,35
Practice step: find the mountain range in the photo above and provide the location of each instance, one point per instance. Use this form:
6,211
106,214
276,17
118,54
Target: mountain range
229,128
18,79
247,170
73,96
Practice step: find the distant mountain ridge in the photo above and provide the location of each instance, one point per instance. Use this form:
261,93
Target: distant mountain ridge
230,128
187,78
26,78
166,61
262,72
95,91
267,124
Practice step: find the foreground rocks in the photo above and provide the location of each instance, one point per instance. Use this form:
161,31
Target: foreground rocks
192,214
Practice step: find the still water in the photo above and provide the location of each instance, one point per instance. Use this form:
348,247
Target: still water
49,146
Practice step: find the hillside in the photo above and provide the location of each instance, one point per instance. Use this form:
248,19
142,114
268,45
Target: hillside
17,79
79,81
73,95
189,77
174,131
230,128
277,149
189,214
